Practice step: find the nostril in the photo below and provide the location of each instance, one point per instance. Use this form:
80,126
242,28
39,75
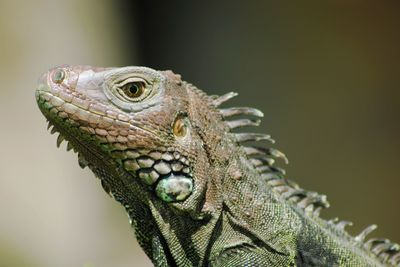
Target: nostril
58,76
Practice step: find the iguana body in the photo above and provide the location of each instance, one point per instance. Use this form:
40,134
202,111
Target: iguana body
195,193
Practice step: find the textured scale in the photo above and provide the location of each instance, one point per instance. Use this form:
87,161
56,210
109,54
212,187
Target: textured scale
196,193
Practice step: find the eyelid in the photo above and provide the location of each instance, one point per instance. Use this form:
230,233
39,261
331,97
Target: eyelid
132,80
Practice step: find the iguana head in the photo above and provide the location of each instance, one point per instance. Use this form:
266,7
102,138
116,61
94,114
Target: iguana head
145,133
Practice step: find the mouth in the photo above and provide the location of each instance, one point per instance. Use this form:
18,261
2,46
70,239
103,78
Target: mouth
68,120
78,136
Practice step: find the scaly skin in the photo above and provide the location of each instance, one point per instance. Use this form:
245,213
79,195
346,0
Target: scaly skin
196,196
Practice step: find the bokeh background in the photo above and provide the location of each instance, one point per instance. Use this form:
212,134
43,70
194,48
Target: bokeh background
326,74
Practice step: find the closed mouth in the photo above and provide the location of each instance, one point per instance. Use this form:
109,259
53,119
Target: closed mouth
68,129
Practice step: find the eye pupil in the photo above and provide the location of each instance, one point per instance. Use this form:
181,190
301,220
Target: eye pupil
133,89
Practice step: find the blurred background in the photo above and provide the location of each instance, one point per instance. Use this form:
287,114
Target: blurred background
325,73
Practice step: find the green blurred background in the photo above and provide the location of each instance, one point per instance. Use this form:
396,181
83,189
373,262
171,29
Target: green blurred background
326,74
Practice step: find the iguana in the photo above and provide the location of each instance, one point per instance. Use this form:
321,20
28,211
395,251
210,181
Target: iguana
197,191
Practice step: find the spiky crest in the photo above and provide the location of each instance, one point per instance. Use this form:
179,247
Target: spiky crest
262,158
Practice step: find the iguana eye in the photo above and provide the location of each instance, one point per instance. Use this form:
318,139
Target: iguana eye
58,76
128,87
133,89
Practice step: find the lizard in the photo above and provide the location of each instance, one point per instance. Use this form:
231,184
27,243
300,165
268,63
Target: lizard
197,188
